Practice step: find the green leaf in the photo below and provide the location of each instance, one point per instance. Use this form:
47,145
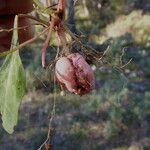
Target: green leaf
12,85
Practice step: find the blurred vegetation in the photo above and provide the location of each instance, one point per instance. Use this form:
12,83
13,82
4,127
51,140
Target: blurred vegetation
116,115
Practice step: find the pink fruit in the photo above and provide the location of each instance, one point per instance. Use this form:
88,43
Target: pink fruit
74,73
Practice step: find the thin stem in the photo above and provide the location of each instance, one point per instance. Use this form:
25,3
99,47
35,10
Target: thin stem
19,28
104,52
52,115
126,64
23,44
44,23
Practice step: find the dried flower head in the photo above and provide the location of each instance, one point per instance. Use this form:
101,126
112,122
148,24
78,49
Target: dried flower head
75,74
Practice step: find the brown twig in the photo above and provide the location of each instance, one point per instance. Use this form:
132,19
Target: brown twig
23,44
52,115
44,23
19,28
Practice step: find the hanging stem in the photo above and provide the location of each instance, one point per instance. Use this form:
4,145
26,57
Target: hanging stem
61,6
46,43
63,40
52,115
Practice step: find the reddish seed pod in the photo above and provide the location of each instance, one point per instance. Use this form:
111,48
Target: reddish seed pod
74,74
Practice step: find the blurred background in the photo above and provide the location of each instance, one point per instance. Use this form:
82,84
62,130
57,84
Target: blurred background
116,115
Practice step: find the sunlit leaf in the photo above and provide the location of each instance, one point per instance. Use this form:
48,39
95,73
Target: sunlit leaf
12,85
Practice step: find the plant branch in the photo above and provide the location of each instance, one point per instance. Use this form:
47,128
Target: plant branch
44,23
23,44
19,28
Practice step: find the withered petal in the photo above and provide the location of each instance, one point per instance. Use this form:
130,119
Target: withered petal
75,73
